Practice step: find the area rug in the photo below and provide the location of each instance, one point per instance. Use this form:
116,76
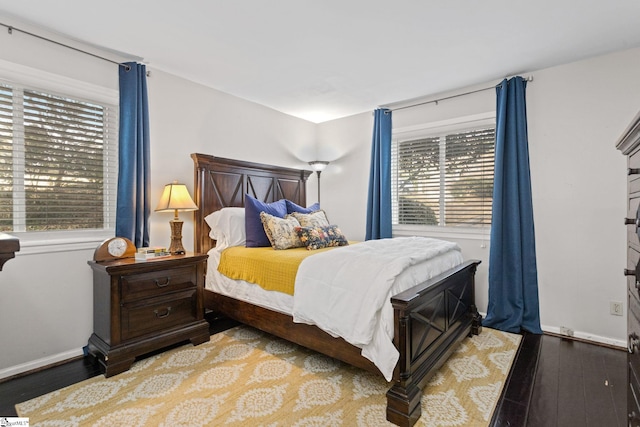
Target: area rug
244,377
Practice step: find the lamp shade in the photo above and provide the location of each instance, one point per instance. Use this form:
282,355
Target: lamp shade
175,197
318,165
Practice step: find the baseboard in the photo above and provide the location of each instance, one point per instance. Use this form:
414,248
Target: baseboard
39,364
586,337
582,336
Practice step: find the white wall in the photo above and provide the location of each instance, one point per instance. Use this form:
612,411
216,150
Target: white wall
344,183
576,112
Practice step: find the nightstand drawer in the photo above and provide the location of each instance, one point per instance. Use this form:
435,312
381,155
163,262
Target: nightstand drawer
137,286
157,314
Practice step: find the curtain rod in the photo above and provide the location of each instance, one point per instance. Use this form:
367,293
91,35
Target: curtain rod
435,101
11,29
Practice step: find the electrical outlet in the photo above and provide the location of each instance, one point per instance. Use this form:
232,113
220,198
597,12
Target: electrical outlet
615,308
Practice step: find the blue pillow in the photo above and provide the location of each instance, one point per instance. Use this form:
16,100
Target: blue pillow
256,237
292,207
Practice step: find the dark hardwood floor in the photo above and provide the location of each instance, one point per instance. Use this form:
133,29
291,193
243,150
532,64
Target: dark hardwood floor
579,384
554,382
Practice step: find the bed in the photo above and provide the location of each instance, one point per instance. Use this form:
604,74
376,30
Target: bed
429,320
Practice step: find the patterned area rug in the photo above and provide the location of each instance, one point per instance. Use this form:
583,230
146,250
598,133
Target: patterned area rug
245,377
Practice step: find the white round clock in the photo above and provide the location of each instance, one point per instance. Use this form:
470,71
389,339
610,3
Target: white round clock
117,247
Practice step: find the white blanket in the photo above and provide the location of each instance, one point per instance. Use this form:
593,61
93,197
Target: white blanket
347,291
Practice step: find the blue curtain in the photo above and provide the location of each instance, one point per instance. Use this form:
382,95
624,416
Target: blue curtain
513,276
133,205
379,202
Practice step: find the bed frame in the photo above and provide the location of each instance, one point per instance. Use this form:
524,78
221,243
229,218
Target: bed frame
431,319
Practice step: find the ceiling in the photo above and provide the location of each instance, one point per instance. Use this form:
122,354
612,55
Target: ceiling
322,60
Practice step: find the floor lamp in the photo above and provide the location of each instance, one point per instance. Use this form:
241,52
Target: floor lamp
318,166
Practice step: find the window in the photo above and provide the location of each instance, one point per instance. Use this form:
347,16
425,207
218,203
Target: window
444,177
58,161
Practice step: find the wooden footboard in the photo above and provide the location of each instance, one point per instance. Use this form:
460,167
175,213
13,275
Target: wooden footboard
430,320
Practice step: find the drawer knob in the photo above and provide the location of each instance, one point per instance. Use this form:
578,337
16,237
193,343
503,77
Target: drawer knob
162,315
634,343
167,280
628,272
633,171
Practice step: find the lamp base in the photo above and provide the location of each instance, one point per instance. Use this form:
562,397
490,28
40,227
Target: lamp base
176,247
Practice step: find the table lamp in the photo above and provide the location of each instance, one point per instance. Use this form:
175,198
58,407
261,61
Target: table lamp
176,198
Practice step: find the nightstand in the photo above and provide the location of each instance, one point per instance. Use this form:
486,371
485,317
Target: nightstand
143,306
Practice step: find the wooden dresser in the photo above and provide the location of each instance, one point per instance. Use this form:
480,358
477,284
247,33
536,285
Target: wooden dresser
139,307
629,144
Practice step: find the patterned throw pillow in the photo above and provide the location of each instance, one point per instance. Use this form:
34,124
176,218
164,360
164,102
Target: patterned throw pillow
281,231
313,219
321,237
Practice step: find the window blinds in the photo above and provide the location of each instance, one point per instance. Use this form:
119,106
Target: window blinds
6,158
444,180
58,166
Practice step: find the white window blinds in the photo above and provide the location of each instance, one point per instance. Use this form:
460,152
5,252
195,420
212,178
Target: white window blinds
6,158
58,161
444,180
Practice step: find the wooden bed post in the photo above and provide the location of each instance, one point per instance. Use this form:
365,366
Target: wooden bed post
430,320
403,398
476,325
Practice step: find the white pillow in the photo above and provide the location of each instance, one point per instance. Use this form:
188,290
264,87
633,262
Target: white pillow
227,227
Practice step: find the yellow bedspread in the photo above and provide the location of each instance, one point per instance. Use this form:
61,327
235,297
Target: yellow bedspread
273,270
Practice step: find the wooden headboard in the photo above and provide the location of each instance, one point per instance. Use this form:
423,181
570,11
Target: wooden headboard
221,183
